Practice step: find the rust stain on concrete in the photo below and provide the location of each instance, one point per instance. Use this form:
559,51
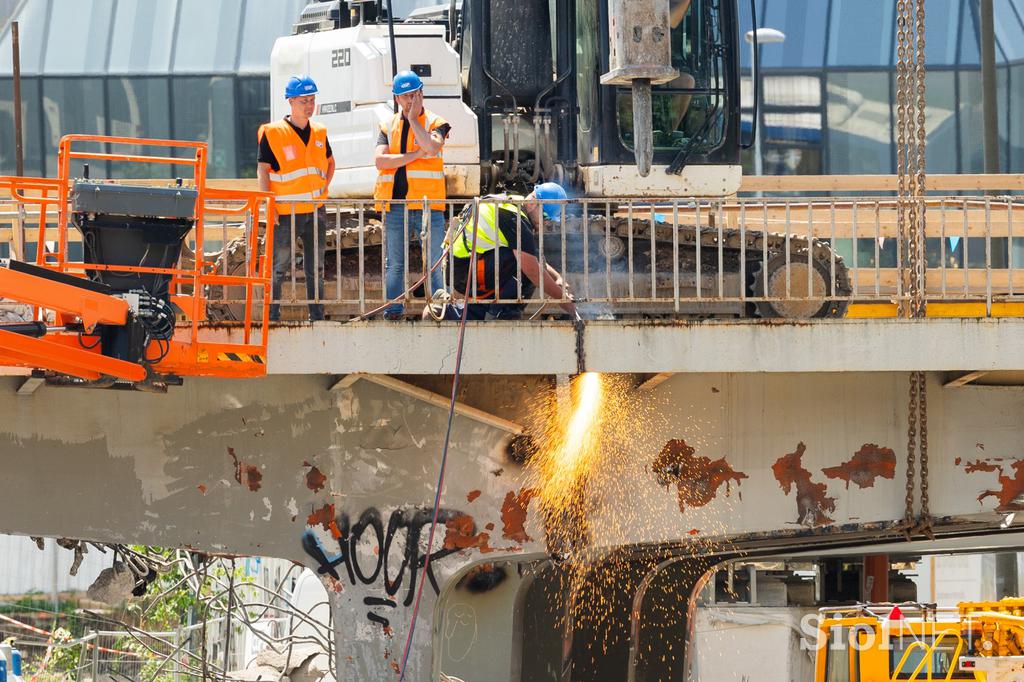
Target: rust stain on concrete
867,464
1011,488
811,501
315,479
513,514
697,479
201,488
461,534
247,474
324,517
472,495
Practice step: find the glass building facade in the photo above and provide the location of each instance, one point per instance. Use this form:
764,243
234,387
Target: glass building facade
180,69
829,88
199,69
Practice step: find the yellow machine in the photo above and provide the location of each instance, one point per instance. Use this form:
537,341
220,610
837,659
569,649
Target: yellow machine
890,642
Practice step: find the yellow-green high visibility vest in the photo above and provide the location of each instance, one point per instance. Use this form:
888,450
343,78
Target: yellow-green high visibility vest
487,233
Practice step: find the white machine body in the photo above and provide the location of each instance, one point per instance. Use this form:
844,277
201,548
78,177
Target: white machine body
352,70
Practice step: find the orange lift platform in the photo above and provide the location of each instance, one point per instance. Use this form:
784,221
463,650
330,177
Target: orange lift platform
130,311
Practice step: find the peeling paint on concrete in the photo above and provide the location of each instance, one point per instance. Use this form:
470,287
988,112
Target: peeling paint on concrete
981,465
472,495
697,479
513,514
1011,488
867,464
315,479
811,500
460,534
324,517
247,474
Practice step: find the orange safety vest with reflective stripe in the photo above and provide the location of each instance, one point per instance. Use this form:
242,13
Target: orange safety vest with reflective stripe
301,178
425,177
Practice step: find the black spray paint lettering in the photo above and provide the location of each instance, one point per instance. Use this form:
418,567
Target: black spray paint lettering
384,566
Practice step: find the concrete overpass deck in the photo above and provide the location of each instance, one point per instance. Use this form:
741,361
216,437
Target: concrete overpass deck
505,347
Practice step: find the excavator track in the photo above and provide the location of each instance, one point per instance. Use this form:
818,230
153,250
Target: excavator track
769,257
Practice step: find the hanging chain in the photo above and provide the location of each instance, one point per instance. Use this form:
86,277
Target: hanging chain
911,217
902,160
926,516
908,516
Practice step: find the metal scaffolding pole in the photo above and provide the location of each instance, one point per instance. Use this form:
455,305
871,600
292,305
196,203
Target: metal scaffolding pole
19,151
990,102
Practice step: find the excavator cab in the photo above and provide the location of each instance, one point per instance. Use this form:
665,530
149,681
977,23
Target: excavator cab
117,295
584,120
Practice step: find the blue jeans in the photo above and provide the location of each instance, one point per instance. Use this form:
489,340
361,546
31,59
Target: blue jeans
312,261
397,249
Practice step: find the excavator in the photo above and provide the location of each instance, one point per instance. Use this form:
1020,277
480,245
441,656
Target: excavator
534,90
127,312
614,99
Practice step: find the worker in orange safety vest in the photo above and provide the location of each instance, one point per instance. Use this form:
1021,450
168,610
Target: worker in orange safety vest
410,166
296,164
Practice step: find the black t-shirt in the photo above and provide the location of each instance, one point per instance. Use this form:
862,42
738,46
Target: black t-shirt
507,265
401,186
266,154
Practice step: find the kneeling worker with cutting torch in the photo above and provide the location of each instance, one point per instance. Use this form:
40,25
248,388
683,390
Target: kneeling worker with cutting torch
496,242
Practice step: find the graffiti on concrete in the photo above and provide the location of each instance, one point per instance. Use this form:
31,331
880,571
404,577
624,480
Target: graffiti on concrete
867,464
811,501
697,479
397,557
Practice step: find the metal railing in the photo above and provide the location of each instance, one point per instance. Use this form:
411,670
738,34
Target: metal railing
769,257
734,258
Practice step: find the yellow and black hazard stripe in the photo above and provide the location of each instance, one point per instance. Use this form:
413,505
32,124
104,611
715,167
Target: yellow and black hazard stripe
240,357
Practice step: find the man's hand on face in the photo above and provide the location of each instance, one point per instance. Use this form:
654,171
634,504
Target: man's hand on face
415,106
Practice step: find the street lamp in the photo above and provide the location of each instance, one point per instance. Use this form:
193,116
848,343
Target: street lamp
764,35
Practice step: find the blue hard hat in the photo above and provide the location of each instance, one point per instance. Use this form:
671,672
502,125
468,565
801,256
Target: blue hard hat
550,191
299,86
406,82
